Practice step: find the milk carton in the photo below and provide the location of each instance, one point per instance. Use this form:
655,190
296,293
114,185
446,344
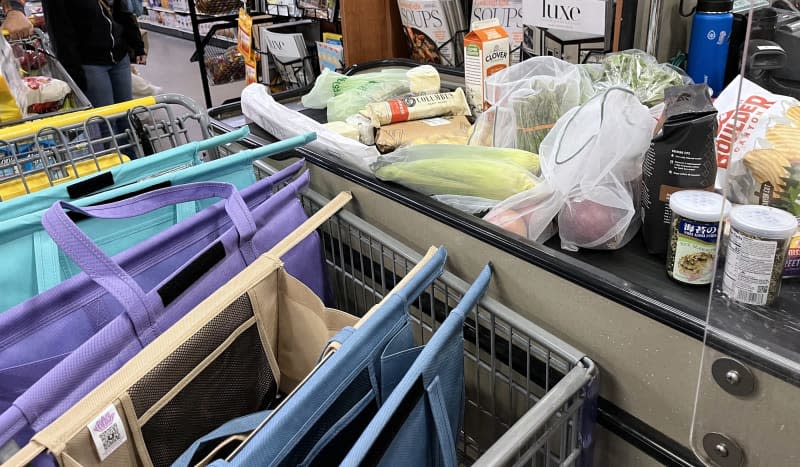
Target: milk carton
486,51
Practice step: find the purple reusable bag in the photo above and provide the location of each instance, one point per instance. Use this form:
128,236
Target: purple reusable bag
191,254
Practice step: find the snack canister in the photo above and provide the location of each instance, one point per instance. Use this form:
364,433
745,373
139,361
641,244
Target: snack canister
694,232
756,253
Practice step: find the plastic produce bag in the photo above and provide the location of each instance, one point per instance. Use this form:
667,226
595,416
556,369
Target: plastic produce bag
348,95
283,123
641,73
473,205
527,99
592,165
490,173
143,88
13,91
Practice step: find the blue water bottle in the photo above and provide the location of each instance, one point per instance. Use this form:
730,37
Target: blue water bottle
708,46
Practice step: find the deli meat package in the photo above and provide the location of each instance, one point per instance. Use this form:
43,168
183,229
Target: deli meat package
762,164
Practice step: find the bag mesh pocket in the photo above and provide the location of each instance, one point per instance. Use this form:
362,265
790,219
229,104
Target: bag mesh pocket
238,382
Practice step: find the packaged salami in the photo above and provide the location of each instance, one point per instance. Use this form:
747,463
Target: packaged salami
443,104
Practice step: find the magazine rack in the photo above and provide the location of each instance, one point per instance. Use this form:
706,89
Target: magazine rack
293,74
457,41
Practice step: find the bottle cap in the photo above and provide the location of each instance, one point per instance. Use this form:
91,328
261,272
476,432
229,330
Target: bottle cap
764,222
698,205
714,6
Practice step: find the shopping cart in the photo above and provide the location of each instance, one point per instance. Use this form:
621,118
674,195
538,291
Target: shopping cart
41,153
530,397
36,58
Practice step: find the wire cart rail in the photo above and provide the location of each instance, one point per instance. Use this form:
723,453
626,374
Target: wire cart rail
41,153
36,58
530,397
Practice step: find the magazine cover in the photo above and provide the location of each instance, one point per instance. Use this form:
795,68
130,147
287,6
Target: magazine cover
434,30
508,12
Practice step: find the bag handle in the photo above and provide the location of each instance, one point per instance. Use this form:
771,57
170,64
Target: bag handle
219,437
106,272
417,279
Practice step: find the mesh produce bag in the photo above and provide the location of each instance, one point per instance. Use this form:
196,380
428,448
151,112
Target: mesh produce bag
591,163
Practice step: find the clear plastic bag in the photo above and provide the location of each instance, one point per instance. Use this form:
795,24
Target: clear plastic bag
345,96
640,72
282,122
527,99
473,205
592,163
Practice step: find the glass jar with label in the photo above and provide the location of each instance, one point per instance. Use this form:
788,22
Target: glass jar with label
756,253
693,236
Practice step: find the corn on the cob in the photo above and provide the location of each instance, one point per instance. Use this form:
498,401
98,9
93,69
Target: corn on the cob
485,178
526,160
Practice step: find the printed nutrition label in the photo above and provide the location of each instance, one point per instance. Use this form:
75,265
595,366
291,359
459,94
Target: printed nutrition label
684,164
748,268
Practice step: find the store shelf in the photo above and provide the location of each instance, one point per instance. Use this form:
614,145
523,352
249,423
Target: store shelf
218,41
168,30
168,10
181,12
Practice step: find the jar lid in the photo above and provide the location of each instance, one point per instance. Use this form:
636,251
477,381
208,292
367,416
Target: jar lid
699,205
714,6
763,221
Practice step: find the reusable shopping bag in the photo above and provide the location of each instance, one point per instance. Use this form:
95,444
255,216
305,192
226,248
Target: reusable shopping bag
260,333
172,159
419,423
97,321
38,265
320,421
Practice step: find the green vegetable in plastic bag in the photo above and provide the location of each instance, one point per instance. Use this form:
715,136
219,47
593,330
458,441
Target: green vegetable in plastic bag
641,73
347,95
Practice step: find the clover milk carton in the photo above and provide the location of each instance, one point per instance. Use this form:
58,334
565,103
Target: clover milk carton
486,51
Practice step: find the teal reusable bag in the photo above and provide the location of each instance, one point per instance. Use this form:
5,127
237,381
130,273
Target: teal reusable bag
186,155
34,263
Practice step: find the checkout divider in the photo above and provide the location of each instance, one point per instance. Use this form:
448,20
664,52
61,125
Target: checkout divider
644,331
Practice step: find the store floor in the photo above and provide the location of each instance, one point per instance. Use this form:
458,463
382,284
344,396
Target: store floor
168,67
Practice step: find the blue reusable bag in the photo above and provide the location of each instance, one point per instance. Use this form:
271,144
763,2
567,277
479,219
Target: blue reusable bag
186,155
38,263
418,425
321,420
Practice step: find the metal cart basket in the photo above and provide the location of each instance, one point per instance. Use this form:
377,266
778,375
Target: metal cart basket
530,397
42,153
36,58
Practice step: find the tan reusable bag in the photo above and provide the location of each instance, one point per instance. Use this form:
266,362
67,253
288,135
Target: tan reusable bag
260,334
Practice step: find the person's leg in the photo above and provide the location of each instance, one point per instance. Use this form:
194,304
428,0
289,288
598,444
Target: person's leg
100,93
121,80
123,91
98,85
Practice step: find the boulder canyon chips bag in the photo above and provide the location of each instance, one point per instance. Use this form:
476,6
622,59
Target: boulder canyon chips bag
259,334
